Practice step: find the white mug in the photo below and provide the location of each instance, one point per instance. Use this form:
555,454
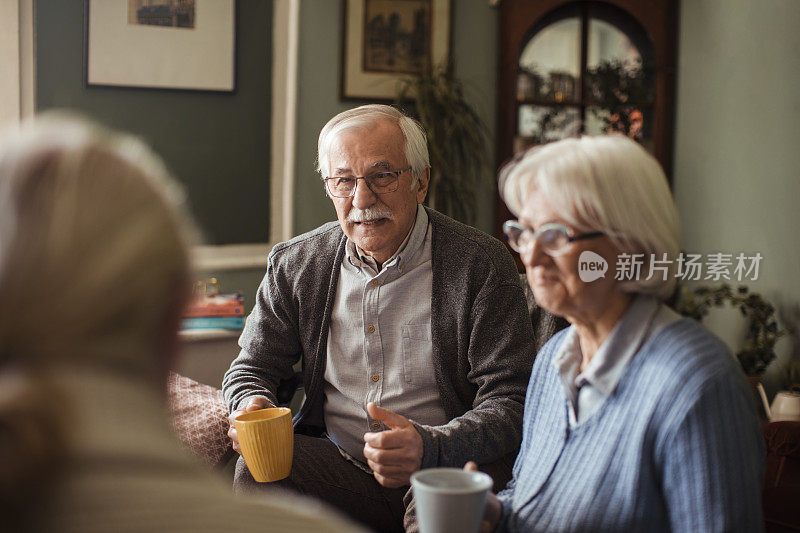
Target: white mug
450,500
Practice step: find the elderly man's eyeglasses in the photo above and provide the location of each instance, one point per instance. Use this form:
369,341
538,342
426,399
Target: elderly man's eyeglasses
379,183
554,239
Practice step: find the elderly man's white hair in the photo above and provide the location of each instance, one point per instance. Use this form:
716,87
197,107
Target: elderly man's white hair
416,145
607,183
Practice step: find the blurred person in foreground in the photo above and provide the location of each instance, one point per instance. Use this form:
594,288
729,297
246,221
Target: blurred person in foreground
635,419
94,273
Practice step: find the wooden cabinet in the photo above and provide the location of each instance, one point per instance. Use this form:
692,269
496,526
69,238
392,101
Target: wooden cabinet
585,67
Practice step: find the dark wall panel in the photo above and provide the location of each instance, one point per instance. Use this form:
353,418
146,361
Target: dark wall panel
217,144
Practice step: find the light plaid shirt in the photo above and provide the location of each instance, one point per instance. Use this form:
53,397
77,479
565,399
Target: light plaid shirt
379,341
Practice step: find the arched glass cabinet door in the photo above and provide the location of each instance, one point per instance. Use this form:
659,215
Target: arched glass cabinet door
571,67
585,68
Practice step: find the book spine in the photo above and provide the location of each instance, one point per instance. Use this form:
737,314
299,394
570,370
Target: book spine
213,322
216,309
220,305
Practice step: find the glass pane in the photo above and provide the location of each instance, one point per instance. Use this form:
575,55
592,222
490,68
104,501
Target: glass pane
618,70
541,124
549,65
632,121
608,44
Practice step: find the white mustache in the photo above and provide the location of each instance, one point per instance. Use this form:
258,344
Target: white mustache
369,214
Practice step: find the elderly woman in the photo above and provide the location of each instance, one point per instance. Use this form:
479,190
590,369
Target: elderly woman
94,272
635,419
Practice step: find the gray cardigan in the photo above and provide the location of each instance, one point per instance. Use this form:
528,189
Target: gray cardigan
483,343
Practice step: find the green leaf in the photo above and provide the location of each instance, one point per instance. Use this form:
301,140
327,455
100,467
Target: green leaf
457,141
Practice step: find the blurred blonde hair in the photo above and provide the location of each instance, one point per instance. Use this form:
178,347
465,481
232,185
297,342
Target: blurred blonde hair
608,183
94,243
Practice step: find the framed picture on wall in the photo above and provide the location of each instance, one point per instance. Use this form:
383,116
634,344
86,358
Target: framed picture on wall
385,41
163,44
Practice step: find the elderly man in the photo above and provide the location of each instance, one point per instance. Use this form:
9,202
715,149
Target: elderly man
412,329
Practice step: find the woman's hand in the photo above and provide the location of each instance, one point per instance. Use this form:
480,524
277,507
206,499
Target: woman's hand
494,510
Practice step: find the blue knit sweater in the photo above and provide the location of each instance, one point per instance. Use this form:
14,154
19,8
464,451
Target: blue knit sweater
677,446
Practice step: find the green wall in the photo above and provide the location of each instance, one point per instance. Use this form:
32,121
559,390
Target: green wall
216,144
475,52
737,163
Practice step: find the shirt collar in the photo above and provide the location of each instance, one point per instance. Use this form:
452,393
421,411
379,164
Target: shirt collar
606,367
405,252
567,362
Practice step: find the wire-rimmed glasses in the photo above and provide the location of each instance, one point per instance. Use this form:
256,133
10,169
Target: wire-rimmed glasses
553,238
378,182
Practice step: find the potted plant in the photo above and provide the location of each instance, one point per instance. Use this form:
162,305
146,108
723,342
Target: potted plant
762,327
457,140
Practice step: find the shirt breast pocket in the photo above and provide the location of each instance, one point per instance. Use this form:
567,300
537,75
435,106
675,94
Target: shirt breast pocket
417,364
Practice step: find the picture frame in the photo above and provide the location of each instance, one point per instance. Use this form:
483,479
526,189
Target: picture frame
160,44
387,41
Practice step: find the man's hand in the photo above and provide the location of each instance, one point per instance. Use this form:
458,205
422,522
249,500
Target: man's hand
253,404
493,511
395,454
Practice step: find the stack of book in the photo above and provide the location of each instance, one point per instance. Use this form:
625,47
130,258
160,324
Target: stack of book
218,311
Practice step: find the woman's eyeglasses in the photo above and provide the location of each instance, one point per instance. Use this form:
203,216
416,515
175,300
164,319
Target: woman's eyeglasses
554,238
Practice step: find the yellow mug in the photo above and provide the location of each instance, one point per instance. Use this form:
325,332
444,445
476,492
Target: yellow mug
266,438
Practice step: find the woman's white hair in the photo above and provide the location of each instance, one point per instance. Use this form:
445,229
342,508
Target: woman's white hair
607,183
416,144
